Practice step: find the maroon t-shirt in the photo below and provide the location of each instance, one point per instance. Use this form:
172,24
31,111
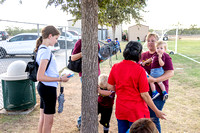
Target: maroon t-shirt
77,49
168,66
106,101
155,62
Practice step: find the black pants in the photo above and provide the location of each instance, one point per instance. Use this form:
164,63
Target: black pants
105,115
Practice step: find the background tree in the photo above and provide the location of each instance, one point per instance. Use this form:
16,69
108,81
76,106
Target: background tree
118,12
12,31
193,28
110,13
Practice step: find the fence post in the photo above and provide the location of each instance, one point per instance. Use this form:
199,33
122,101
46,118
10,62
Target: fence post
176,40
38,30
66,46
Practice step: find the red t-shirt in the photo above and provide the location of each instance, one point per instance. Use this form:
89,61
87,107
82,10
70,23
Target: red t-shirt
168,66
77,49
130,80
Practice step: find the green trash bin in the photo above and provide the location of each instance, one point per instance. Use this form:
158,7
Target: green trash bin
18,90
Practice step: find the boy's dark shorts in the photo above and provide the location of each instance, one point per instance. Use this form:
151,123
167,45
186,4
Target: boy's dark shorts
105,115
48,96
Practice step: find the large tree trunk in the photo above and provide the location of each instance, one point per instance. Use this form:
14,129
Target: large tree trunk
113,32
102,32
89,24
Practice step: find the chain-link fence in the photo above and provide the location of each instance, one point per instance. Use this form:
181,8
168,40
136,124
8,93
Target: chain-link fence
18,40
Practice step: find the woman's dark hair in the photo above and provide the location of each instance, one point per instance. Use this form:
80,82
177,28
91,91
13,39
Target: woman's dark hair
46,31
133,51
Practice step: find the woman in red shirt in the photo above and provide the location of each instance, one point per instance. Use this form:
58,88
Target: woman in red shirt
128,79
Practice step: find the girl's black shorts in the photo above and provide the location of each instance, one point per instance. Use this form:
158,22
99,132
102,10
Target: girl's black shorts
48,96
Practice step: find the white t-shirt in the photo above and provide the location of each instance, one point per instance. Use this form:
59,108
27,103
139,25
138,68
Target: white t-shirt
52,70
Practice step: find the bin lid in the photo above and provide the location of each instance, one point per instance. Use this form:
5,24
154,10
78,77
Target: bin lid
15,71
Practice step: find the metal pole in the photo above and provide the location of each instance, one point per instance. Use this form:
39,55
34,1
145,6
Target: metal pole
176,40
66,47
38,30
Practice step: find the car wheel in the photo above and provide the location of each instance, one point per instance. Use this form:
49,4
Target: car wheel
165,38
2,53
3,37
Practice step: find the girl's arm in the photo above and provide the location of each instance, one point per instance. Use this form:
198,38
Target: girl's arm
76,56
104,92
145,96
110,87
42,77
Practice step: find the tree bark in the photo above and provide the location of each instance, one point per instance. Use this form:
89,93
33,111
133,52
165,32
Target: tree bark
113,32
102,32
89,123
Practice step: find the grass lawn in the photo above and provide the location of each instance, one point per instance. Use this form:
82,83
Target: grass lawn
182,107
189,48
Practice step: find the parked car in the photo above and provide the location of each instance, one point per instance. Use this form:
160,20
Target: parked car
70,44
69,40
69,36
4,35
0,37
75,33
21,44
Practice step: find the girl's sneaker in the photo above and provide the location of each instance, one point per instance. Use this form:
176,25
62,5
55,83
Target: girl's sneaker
165,95
155,94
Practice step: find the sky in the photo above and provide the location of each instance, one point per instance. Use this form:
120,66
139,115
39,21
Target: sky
162,14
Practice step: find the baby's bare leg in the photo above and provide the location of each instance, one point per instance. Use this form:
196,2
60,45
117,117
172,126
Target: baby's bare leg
162,87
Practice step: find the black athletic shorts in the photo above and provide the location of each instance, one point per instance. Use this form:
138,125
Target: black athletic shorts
48,96
105,115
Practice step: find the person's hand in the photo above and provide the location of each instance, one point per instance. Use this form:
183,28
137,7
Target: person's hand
159,55
151,79
64,78
143,63
161,115
98,88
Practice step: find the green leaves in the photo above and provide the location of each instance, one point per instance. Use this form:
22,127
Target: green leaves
111,12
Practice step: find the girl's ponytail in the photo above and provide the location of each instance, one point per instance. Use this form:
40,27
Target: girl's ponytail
38,43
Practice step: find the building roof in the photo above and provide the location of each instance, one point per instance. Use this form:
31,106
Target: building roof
140,25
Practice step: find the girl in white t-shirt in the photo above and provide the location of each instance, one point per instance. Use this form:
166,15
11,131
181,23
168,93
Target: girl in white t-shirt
48,78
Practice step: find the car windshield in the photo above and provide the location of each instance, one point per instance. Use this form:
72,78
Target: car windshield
73,33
